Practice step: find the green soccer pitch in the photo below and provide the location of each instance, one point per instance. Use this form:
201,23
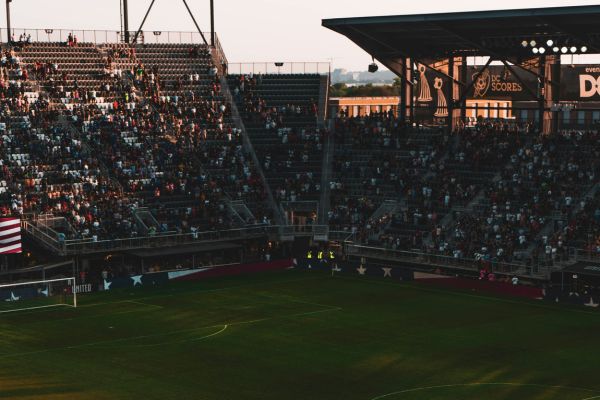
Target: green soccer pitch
300,335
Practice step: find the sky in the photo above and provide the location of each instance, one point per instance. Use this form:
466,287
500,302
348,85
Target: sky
251,30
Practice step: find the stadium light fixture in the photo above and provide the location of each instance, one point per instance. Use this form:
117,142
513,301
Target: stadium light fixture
573,49
533,43
279,65
550,42
542,50
564,49
535,50
556,49
373,67
49,32
524,43
584,49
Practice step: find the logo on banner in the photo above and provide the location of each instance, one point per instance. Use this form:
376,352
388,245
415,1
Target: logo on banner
442,105
488,83
424,89
84,288
482,83
589,86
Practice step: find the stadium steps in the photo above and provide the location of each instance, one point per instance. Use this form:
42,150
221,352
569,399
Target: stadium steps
249,148
285,90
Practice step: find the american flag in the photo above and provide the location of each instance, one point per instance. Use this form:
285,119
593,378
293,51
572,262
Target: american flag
10,235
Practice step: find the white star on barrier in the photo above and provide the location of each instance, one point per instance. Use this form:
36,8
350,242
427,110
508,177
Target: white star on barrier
137,279
107,285
361,270
387,272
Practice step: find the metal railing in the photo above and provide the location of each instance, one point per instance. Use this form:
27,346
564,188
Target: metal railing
106,36
435,260
342,236
50,239
244,68
585,255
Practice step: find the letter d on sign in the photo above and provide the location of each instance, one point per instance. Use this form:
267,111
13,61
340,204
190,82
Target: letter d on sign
583,86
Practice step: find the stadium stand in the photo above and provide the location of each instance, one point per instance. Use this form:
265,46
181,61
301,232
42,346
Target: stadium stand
280,115
121,141
169,159
493,192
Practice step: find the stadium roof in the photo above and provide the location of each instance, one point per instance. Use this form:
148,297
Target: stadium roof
492,33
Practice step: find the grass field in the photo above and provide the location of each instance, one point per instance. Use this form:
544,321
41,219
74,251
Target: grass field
300,335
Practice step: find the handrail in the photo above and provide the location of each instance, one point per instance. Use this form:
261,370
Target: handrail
77,246
160,240
107,36
586,255
435,260
287,67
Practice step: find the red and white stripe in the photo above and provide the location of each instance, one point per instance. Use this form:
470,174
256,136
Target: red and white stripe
10,236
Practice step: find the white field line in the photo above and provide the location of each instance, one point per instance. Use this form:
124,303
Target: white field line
104,343
423,388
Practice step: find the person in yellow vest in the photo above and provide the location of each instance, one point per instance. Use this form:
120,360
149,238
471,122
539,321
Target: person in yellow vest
309,255
320,256
331,255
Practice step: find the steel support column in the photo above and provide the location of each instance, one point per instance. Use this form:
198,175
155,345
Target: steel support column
450,89
195,22
556,79
8,28
463,78
212,23
411,91
126,20
403,94
542,94
137,33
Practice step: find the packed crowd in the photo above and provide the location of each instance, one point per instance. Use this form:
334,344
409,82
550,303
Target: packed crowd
134,148
494,192
137,154
291,146
379,159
